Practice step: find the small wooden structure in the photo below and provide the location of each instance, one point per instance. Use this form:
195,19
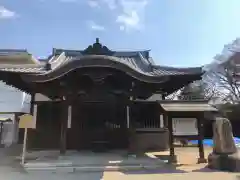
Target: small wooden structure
184,111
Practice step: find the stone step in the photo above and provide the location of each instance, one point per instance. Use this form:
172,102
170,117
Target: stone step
71,164
88,162
92,168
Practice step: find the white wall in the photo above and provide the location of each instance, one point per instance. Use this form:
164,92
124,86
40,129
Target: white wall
13,100
10,130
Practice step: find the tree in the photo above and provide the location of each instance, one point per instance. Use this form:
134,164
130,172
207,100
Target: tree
221,81
194,91
198,90
174,95
227,82
223,73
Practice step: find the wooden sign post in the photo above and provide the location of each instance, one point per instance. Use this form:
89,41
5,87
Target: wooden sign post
26,121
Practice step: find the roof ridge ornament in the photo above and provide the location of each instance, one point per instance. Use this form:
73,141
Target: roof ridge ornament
97,49
97,40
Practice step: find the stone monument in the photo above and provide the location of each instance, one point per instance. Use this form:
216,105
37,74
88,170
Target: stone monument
225,154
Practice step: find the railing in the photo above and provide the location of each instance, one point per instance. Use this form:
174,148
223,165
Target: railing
148,123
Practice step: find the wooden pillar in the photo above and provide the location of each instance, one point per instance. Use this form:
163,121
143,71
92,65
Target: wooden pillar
165,118
128,109
31,132
64,123
34,114
16,128
32,103
172,158
128,116
131,128
201,158
69,120
161,119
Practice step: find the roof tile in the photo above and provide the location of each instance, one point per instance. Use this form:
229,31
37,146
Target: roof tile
134,59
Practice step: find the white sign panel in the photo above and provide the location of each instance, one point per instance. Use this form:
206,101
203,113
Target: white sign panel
184,126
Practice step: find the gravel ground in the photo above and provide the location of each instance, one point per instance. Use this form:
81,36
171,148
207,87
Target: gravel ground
188,169
139,175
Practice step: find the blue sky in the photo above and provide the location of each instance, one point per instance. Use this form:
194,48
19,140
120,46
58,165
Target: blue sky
178,32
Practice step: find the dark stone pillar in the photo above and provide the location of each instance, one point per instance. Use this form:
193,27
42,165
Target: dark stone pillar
172,158
201,158
63,135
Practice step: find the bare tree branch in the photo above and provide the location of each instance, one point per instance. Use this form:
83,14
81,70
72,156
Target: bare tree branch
223,74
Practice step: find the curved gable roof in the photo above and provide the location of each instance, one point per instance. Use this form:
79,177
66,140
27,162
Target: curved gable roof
137,64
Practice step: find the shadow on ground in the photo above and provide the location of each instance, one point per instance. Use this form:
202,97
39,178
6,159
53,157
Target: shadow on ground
172,168
205,169
165,170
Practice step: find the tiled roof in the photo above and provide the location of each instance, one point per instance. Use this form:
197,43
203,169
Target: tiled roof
9,52
163,70
137,60
22,53
24,68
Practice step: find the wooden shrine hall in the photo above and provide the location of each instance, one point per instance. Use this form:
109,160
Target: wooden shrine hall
101,99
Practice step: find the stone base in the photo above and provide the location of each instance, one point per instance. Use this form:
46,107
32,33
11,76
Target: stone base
224,162
147,141
201,160
172,160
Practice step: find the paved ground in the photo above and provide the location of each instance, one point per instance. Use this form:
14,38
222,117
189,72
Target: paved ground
187,169
139,175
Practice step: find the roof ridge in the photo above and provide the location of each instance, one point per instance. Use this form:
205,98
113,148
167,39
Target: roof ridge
176,68
13,50
21,66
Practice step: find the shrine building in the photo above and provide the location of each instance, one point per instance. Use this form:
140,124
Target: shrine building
99,98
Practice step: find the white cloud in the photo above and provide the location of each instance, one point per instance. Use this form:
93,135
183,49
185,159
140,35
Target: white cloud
129,20
68,1
93,3
122,28
112,4
6,13
132,15
96,27
129,14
